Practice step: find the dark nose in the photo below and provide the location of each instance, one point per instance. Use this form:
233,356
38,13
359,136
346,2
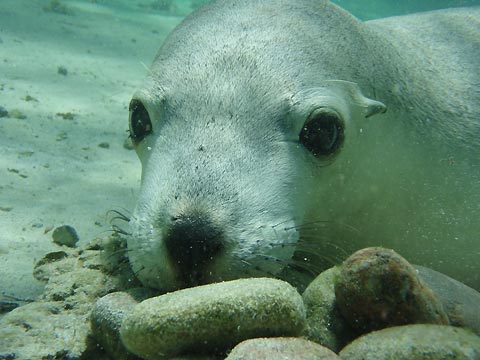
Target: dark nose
192,242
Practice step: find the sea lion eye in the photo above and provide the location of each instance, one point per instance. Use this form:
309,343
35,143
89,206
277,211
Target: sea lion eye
323,133
140,123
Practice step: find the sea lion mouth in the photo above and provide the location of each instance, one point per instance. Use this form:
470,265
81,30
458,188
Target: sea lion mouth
193,241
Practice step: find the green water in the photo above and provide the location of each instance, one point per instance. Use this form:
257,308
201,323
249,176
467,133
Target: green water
363,9
372,9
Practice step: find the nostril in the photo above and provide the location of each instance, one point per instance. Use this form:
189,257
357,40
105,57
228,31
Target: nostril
192,241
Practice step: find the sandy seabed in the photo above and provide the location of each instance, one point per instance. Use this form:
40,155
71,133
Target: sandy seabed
66,80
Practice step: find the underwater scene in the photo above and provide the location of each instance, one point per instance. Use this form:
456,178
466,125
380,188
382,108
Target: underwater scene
239,179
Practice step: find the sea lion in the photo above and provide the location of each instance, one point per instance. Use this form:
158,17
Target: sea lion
266,145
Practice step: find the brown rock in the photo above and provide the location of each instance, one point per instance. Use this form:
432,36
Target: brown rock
280,348
415,342
377,288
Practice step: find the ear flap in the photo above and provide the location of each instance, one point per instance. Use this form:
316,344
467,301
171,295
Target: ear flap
344,95
371,107
374,107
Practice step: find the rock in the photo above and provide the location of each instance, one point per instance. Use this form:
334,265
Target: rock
56,262
81,285
58,7
41,330
212,318
460,302
56,326
280,348
62,70
3,112
414,342
17,114
66,115
325,324
107,316
377,288
65,235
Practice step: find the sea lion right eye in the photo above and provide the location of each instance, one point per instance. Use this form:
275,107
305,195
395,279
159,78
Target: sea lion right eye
323,133
139,121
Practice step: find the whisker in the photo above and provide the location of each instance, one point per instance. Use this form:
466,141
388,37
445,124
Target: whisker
305,266
118,230
147,68
311,225
117,252
305,225
283,222
119,216
138,271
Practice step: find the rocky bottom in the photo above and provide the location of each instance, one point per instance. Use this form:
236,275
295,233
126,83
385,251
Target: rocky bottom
374,306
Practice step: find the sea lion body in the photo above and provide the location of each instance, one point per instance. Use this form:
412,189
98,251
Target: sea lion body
231,189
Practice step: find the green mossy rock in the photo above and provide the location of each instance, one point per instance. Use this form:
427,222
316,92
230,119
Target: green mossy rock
212,318
415,342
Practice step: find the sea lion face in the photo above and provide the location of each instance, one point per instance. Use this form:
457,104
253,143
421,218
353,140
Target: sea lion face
228,172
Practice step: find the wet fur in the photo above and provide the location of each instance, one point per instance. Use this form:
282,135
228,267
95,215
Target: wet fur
229,91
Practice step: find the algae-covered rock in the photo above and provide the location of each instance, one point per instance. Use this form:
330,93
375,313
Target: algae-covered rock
415,342
280,348
377,288
325,324
65,235
42,329
56,326
212,318
460,302
107,316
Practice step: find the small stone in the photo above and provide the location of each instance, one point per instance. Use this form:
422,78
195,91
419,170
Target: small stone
61,136
377,288
104,145
413,342
26,153
30,98
3,112
57,6
16,114
280,348
62,70
65,235
325,324
212,318
66,115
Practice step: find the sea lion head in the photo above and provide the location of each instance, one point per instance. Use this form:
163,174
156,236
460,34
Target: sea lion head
239,134
230,170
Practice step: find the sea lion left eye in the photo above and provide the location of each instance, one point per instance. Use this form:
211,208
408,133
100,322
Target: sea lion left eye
323,133
140,123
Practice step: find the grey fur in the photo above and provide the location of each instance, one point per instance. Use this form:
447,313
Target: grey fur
228,94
